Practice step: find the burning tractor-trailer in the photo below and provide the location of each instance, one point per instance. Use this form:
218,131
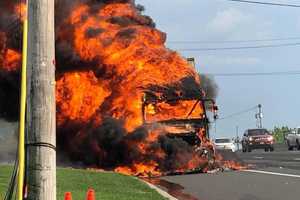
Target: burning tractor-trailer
124,101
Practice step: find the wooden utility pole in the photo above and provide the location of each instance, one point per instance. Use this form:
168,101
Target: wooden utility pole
41,127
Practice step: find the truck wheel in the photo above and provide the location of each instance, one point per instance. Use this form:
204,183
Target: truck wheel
298,145
266,149
291,148
243,149
210,155
249,149
271,149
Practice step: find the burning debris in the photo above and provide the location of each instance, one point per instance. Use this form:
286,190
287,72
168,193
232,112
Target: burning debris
109,57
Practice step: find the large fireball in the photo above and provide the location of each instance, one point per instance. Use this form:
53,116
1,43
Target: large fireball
107,56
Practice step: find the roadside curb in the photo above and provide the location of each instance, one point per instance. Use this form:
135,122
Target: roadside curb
160,191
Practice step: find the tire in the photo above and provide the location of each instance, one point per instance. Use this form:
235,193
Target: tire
290,148
249,149
266,149
243,149
211,158
271,149
298,144
210,154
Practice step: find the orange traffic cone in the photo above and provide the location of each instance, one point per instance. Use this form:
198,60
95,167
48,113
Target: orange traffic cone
90,195
68,196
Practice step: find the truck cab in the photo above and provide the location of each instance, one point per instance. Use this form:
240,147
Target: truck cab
182,117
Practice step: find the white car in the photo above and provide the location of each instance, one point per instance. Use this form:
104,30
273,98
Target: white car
225,144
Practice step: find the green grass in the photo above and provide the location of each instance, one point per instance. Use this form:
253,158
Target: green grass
5,173
108,186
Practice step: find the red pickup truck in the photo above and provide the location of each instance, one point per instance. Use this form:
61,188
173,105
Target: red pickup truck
257,139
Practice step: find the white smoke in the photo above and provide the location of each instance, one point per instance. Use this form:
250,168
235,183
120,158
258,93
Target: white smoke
8,141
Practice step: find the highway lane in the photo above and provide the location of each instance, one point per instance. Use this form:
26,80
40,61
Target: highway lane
275,176
238,186
280,158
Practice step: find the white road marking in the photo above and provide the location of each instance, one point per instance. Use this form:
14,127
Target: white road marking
257,157
297,159
272,173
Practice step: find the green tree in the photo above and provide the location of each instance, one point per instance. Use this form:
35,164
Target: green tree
279,133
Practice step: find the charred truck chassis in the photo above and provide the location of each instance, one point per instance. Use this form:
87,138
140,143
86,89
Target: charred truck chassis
194,125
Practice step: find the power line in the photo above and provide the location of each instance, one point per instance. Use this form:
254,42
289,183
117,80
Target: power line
267,3
286,73
241,47
238,113
231,41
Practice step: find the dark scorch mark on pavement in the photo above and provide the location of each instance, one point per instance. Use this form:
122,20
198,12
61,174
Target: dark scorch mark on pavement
173,189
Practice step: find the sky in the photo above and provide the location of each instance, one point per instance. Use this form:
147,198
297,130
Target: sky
223,20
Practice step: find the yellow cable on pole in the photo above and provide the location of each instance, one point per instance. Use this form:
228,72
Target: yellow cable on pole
21,169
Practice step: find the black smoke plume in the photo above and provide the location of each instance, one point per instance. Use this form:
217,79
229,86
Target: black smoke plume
117,147
209,85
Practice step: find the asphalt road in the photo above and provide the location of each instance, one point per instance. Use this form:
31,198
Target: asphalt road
274,176
280,158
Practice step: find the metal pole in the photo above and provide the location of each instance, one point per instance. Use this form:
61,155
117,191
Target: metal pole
260,115
41,109
215,128
237,138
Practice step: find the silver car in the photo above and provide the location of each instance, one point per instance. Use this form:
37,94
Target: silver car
293,139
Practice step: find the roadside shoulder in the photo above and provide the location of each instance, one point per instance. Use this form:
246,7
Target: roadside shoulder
160,191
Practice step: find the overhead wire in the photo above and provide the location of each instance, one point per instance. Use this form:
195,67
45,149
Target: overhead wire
238,113
267,3
243,41
240,47
286,73
231,41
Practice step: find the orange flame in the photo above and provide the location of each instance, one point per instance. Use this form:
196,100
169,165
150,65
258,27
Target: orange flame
21,11
139,60
149,169
78,96
11,60
176,110
136,55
